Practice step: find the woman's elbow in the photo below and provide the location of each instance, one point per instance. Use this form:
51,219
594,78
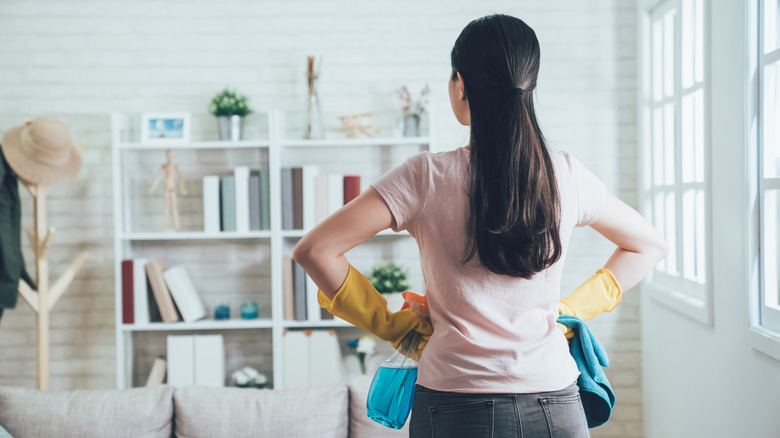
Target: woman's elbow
302,252
661,248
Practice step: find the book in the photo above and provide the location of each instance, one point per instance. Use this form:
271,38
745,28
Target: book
335,192
141,292
154,310
157,374
287,199
265,199
299,291
308,196
351,188
254,200
325,356
209,360
320,198
181,369
184,293
295,359
312,305
287,280
227,202
241,193
162,295
128,306
297,197
211,210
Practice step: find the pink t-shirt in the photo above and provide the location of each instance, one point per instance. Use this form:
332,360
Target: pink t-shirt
492,333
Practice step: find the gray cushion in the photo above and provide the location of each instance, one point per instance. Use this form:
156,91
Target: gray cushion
203,412
81,413
360,426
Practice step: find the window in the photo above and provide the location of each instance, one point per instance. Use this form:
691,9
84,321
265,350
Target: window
767,142
676,188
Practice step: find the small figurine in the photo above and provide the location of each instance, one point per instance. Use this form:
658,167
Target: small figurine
358,125
169,197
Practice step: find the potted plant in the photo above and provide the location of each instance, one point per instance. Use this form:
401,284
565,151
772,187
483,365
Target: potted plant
230,109
412,110
390,280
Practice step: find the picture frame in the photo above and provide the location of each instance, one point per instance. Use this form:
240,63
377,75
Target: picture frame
165,127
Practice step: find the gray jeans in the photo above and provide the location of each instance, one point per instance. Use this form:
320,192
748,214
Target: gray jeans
437,414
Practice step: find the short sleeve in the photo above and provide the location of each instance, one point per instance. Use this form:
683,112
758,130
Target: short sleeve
590,192
405,190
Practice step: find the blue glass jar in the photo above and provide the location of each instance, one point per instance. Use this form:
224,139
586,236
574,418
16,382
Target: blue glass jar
249,310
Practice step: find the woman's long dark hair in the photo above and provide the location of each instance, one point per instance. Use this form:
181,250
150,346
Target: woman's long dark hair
514,213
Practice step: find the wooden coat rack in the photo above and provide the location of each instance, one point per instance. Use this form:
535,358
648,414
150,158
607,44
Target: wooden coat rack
43,300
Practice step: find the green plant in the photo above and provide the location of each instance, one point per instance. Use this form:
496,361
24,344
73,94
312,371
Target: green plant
389,277
229,103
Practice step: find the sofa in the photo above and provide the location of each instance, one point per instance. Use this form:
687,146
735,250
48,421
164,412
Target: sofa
337,411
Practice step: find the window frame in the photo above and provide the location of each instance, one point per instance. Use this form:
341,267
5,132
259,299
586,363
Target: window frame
761,336
675,291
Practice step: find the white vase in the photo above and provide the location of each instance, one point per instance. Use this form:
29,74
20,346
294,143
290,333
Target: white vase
412,126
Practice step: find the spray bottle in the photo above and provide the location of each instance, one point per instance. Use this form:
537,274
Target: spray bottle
392,390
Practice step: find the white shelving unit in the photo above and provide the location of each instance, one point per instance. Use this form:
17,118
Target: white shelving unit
132,234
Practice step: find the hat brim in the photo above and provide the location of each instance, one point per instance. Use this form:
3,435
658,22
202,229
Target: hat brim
33,172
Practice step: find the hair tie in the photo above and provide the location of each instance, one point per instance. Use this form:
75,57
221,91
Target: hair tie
517,90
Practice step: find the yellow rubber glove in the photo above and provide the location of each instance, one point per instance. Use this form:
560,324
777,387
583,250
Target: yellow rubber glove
359,303
598,294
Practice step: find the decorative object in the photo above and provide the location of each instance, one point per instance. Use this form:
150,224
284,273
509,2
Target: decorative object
358,125
390,280
361,348
42,155
230,109
222,312
313,113
249,310
171,171
168,128
249,377
413,110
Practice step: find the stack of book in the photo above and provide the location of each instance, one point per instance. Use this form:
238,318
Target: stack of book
196,360
238,202
300,294
308,197
311,358
152,292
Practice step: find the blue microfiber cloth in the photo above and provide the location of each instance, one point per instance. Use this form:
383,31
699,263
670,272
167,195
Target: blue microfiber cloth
4,434
597,396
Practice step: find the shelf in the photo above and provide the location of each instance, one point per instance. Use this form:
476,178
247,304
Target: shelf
200,235
134,233
334,323
301,233
205,324
243,144
373,141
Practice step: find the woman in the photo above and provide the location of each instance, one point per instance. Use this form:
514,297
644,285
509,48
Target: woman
493,221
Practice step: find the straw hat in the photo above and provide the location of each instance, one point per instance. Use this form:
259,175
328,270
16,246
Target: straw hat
41,152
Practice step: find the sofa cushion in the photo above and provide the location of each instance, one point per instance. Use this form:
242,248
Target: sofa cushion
87,413
202,412
360,426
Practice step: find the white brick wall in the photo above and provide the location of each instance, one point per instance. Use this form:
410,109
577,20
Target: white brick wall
80,60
